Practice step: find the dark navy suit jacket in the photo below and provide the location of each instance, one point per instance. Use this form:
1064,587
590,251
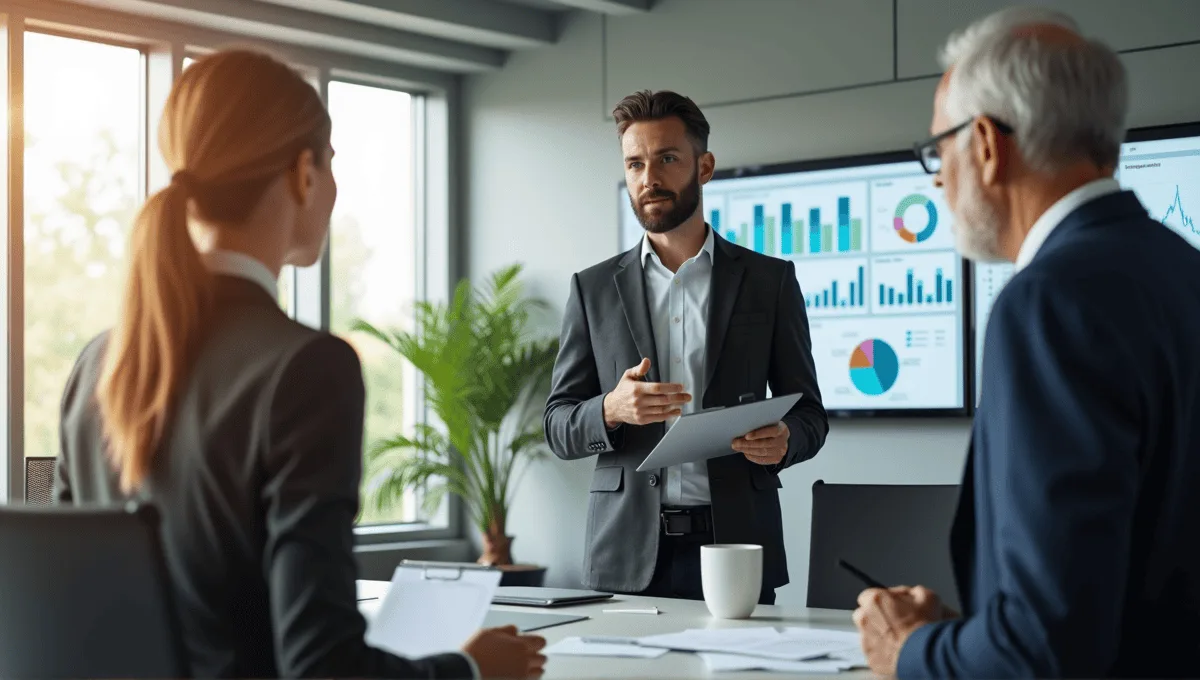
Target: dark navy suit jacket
1077,540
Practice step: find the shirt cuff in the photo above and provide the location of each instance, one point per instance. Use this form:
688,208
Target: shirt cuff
474,666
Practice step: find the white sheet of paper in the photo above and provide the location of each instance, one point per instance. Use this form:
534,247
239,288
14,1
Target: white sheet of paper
762,642
460,597
574,646
718,663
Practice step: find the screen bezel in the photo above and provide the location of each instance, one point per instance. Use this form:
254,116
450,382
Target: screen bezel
965,274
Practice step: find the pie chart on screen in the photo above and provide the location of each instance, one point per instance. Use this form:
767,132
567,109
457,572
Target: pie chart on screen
874,367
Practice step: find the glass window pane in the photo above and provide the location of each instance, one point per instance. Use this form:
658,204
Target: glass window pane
373,253
82,105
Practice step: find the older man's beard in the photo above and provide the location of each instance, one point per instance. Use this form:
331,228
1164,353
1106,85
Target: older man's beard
977,223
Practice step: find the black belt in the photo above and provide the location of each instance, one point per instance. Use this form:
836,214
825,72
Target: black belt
686,521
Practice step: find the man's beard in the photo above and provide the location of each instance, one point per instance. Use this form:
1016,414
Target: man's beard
683,206
977,224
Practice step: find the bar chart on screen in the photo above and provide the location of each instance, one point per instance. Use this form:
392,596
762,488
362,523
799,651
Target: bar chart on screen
834,287
800,221
904,284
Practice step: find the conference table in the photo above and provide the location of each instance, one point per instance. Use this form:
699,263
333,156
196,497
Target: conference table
675,616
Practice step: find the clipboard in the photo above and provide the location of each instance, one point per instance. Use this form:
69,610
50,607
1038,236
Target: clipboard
706,434
460,593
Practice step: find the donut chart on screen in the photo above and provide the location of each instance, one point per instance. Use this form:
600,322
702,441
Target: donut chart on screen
902,229
874,367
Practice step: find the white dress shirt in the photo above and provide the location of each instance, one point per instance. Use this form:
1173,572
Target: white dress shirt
1058,212
241,265
678,305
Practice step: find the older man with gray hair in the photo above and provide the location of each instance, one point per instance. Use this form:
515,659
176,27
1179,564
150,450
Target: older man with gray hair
1076,544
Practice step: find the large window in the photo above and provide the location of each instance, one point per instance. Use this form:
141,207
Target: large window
373,255
89,109
82,137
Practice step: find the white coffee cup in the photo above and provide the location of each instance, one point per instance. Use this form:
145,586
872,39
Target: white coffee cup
731,576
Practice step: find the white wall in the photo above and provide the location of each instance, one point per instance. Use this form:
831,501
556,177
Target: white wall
542,164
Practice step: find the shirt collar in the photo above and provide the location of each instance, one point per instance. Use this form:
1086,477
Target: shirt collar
241,265
1058,212
648,249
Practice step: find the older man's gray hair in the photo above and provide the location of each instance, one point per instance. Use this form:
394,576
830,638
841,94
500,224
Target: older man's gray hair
1065,99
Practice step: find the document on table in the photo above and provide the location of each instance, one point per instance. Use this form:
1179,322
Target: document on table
575,646
717,663
794,644
460,595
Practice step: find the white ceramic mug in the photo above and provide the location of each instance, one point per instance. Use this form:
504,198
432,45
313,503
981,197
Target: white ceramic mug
731,575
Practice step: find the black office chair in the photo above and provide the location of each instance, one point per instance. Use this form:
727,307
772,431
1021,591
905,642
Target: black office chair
898,534
84,593
39,480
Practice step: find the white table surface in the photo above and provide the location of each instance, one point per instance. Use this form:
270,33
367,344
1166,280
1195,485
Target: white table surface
677,615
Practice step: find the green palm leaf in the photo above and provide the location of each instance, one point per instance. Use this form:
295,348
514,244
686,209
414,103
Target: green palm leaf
485,377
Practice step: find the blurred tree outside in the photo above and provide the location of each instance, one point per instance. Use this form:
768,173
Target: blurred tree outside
76,234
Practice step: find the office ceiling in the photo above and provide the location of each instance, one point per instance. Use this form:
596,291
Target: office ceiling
450,36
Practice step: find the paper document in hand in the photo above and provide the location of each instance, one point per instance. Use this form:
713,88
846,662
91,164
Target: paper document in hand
762,642
432,610
574,646
717,663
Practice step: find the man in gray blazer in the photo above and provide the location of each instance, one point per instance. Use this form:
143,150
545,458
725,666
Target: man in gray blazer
685,320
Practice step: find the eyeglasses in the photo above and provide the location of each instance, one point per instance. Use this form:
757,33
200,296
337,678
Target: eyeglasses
931,158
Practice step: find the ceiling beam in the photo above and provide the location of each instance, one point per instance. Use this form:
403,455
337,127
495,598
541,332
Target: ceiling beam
70,18
616,7
284,24
482,22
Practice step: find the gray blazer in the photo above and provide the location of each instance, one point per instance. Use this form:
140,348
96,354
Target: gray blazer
757,336
257,482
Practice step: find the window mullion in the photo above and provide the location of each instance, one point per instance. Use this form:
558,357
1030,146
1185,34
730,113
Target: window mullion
13,261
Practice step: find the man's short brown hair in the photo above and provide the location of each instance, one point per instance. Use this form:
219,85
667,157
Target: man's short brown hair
647,105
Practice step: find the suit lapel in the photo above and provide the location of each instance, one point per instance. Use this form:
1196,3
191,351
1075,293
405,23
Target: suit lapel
631,288
722,298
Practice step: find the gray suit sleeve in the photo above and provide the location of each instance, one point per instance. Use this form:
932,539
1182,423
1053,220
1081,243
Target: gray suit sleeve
574,420
312,464
793,370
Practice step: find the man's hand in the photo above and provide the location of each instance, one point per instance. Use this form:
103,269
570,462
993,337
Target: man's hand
766,445
886,619
636,402
502,653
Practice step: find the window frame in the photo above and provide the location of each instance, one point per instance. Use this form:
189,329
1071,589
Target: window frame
164,45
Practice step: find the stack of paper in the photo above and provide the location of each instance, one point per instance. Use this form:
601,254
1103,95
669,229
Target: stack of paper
792,650
621,647
735,662
795,644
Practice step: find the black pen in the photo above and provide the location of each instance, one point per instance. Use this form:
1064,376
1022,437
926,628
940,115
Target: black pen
860,574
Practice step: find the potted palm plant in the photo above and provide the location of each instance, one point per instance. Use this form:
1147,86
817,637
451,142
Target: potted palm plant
485,377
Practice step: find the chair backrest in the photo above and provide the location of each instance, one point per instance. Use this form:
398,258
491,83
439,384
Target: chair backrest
85,593
39,480
898,534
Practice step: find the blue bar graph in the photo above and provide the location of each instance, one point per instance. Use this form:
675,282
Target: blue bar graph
833,295
843,224
814,231
916,292
759,228
786,229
